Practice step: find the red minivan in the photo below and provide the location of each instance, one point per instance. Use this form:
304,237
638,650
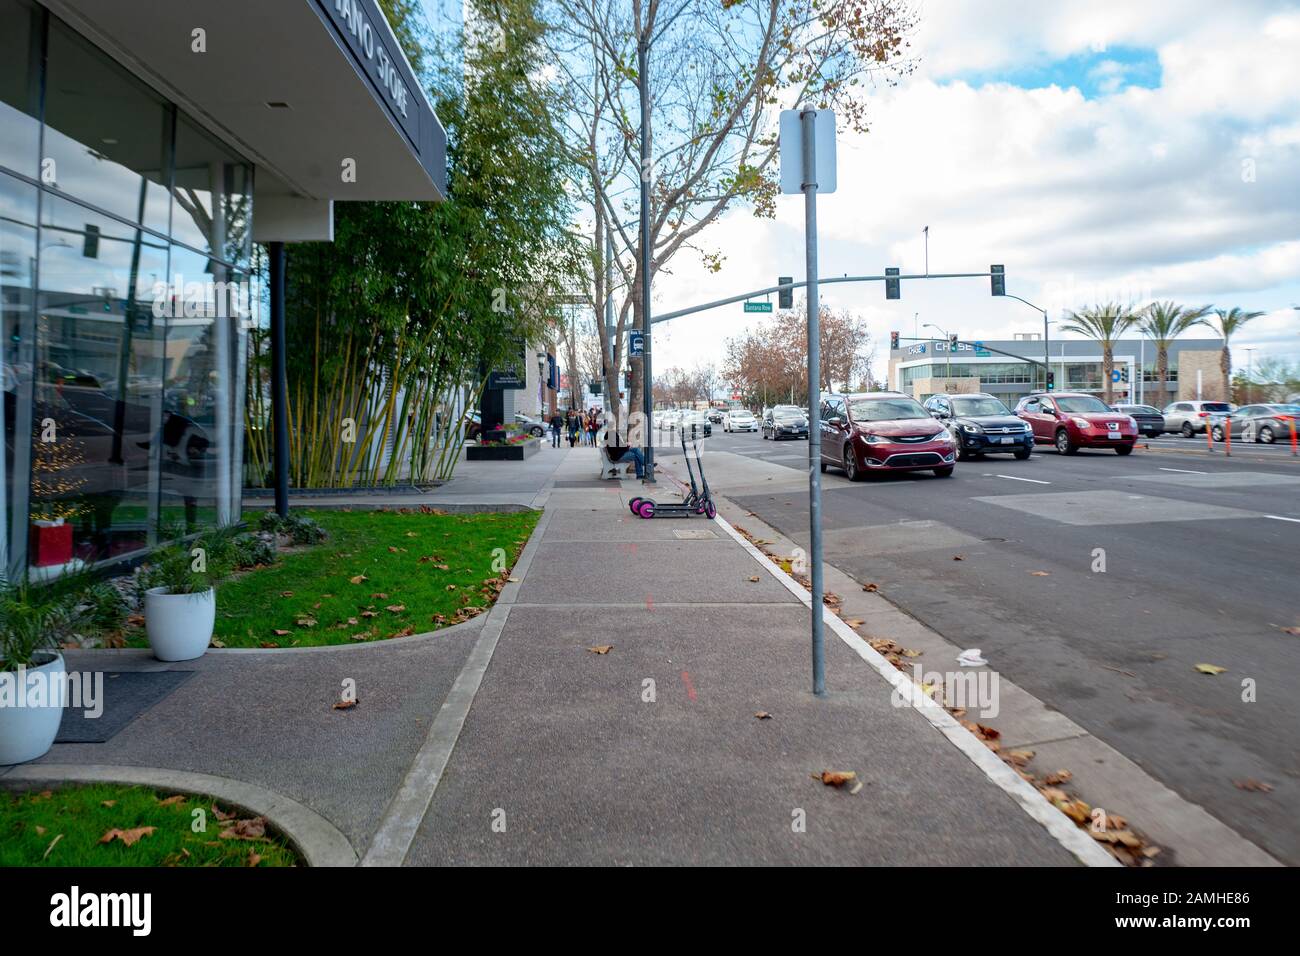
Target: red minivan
1073,420
883,431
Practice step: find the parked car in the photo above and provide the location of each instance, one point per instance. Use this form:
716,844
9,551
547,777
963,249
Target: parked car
1191,418
695,424
534,426
981,424
785,421
666,419
870,432
1073,420
1149,420
1262,423
739,420
715,416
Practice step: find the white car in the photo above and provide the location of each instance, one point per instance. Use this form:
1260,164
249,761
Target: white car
739,420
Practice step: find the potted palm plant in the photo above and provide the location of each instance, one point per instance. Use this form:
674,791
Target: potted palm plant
180,595
31,671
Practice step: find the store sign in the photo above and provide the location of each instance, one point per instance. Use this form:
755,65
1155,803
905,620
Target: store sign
940,348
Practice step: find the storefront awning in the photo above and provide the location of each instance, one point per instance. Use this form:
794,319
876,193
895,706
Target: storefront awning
317,93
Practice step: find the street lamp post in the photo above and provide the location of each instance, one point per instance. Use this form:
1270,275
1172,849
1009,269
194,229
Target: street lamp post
946,338
643,75
1047,359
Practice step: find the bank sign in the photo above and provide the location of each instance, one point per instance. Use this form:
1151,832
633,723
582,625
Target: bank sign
361,27
943,348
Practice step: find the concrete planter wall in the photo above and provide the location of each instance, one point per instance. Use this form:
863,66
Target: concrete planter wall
503,452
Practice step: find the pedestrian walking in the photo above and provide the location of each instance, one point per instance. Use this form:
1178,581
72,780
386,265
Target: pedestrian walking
557,423
572,423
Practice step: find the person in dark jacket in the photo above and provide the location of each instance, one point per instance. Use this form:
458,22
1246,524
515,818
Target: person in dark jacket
557,423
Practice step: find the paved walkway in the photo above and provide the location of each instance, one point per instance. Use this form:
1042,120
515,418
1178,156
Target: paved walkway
506,740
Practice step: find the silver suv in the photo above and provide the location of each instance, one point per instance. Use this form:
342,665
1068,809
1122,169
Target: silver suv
1191,418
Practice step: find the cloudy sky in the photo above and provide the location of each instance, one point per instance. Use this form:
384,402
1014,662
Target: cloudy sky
1100,149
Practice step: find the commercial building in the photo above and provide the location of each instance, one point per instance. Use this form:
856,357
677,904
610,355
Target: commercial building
145,147
926,368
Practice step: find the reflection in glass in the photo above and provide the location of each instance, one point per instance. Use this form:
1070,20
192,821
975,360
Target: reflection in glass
17,270
106,133
213,191
97,386
20,88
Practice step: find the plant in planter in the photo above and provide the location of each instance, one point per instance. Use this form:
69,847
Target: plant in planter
180,597
33,625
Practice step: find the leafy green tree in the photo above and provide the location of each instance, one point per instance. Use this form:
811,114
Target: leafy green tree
1105,323
1230,322
1162,322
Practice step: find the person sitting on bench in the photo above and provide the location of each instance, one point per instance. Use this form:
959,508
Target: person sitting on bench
631,456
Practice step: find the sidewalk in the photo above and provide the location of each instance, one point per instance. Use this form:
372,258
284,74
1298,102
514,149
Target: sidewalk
648,754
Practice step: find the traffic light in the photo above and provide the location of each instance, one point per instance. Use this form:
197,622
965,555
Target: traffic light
952,340
1051,381
892,285
998,280
893,341
90,242
785,295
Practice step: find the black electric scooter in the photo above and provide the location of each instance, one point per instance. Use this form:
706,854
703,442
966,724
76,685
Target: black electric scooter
698,501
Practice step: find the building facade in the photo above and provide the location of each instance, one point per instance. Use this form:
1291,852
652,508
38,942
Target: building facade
137,140
922,369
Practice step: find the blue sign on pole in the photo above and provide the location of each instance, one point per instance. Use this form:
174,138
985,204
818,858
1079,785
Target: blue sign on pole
1115,375
636,343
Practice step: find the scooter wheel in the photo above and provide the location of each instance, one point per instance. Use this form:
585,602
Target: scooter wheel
710,510
646,508
634,502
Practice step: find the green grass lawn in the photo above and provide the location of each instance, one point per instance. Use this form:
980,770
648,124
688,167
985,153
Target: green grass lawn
381,574
67,827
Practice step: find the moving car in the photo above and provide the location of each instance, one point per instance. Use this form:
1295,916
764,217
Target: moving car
870,432
695,424
785,421
1073,420
739,420
1149,420
981,424
715,416
1190,418
1265,423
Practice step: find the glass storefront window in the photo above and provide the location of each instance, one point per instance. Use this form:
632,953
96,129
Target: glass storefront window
213,190
107,135
97,386
20,87
17,284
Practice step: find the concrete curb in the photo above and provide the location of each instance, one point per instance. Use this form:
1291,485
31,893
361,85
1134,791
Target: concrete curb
319,841
392,840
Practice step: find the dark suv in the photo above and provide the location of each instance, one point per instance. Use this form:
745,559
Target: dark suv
1074,420
982,424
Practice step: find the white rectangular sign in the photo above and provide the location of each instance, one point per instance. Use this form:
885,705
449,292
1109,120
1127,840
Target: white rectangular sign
791,141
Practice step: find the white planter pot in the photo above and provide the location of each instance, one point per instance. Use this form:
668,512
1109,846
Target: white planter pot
179,625
27,730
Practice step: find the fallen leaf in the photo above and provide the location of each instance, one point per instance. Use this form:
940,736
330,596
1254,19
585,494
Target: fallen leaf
40,831
1059,777
128,837
254,829
172,801
253,858
856,787
405,632
369,613
107,803
451,587
344,704
269,644
1041,574
1210,669
1255,786
286,594
959,557
1019,757
1290,630
601,649
380,595
763,715
754,579
396,608
855,622
306,622
358,579
54,841
221,815
217,643
871,587
280,632
836,778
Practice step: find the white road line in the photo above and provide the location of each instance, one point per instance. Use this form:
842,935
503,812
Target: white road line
1016,478
1185,471
1280,518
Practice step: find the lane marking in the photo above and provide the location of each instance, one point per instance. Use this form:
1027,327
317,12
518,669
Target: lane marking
1084,848
1280,518
1016,478
1185,471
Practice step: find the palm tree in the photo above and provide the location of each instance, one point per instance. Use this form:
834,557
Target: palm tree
1230,323
1163,322
1105,323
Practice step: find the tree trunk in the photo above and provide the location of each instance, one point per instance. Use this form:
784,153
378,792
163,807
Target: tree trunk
1108,370
1225,368
1162,372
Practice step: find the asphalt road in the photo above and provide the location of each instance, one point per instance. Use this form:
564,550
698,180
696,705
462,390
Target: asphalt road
1202,566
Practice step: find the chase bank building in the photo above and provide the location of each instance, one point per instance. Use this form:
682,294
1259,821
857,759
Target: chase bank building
152,153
